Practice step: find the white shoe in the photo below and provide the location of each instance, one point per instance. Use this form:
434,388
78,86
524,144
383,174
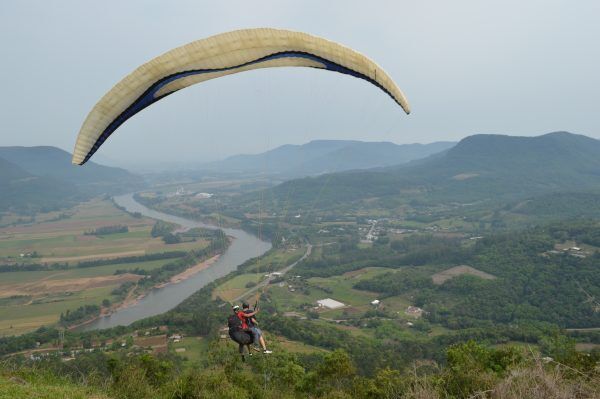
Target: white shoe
267,351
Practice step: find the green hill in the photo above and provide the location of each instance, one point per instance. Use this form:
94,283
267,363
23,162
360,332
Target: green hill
23,192
480,167
575,205
56,163
10,172
321,156
34,179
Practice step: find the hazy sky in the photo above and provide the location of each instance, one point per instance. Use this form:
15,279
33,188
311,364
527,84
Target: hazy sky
519,67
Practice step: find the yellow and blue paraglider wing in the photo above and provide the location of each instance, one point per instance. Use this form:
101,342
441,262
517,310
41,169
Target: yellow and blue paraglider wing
217,56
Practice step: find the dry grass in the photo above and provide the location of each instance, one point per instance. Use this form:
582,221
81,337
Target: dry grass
538,382
422,389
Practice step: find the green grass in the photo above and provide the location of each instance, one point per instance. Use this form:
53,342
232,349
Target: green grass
15,300
65,238
397,305
142,233
341,287
64,241
18,319
285,300
235,287
195,348
276,260
56,303
96,271
36,243
110,269
276,343
39,386
25,277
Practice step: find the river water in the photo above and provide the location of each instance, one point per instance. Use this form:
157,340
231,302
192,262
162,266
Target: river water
159,300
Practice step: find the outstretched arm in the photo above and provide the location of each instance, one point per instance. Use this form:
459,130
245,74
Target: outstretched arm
251,314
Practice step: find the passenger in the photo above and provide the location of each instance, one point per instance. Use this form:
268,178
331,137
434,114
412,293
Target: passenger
252,326
238,333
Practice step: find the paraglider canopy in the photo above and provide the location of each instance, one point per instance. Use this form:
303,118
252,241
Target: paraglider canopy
217,56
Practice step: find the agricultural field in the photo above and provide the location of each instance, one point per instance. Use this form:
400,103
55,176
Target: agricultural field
298,294
191,349
65,240
443,276
30,312
293,346
235,287
76,273
29,299
276,259
256,272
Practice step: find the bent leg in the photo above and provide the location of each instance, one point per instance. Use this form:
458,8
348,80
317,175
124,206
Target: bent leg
262,343
256,335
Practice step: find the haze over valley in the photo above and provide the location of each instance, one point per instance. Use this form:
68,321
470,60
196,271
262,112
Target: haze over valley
318,200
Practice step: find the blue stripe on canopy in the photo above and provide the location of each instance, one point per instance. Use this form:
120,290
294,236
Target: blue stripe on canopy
148,97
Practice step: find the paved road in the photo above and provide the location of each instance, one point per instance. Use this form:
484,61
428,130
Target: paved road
271,277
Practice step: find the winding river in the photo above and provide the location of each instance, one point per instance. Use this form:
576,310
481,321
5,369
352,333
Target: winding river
243,247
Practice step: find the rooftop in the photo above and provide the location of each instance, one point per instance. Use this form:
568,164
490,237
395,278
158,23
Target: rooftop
330,303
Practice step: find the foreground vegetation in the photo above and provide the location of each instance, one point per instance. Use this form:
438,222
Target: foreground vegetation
439,299
472,370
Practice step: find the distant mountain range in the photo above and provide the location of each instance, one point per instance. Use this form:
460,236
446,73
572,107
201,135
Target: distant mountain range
34,178
479,167
325,156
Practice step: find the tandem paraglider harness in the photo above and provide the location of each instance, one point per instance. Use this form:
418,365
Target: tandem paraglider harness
237,332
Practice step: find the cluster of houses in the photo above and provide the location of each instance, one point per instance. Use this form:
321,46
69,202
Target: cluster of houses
154,340
372,232
375,229
181,191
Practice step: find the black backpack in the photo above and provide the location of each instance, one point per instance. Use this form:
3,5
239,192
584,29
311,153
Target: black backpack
234,322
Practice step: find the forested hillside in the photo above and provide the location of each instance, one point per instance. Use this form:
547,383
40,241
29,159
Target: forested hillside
22,192
56,163
321,156
34,179
480,167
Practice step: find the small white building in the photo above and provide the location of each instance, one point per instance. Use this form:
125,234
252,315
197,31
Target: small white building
375,302
330,303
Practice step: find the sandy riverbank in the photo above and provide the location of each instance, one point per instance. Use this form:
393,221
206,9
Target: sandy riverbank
130,300
194,269
189,272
